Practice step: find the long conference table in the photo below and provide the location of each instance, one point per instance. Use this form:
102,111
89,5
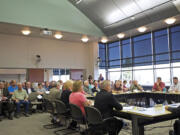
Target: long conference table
142,116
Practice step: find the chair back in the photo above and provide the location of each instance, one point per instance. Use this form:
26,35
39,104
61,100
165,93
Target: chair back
60,107
76,113
93,115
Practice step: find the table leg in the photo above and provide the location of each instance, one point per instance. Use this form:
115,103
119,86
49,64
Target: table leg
136,128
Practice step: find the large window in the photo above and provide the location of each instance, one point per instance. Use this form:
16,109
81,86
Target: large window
144,57
61,74
102,55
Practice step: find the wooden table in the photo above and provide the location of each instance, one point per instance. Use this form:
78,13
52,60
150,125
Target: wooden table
141,117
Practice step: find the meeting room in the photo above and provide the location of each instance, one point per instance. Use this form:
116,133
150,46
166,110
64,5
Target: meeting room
89,67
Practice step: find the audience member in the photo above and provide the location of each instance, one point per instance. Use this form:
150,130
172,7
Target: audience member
77,97
159,85
105,102
86,87
118,85
135,86
96,87
54,91
125,89
20,96
47,86
12,87
101,78
40,89
175,87
29,88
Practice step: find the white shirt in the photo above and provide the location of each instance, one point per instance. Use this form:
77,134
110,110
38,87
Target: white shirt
175,87
29,91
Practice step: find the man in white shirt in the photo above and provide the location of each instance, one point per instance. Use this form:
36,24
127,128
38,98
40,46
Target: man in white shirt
175,87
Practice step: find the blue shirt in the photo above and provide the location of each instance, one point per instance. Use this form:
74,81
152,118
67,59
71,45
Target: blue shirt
12,89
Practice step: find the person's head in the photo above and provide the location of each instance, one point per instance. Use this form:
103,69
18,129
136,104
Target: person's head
61,82
130,82
68,85
117,84
19,86
158,79
175,80
135,82
77,86
91,81
47,84
95,83
1,85
90,77
100,75
23,84
106,85
54,84
28,85
13,83
124,82
86,83
40,85
58,85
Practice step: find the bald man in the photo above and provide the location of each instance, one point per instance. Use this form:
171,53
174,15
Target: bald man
20,96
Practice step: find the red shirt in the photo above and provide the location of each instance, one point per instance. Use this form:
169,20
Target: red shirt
161,86
78,98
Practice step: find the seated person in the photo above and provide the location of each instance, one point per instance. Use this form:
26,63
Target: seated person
91,85
159,85
47,86
28,88
118,85
96,87
105,102
5,106
68,85
135,86
125,89
12,87
40,89
175,87
20,96
55,92
86,88
77,97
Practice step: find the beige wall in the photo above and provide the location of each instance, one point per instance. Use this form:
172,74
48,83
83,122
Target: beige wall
20,51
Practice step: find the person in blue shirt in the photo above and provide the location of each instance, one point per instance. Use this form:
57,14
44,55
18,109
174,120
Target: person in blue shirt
12,87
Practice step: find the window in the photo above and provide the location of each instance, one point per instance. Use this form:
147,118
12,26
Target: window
127,75
114,54
126,53
114,76
142,50
61,74
161,48
164,73
102,55
175,43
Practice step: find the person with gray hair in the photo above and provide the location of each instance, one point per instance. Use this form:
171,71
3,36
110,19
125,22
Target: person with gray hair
20,96
86,87
105,102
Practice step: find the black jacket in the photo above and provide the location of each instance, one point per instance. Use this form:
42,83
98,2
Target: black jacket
32,90
65,97
105,102
6,93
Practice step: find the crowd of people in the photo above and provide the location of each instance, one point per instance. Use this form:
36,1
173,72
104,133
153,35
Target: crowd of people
13,95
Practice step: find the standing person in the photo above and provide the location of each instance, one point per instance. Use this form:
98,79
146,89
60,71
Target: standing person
20,96
101,78
175,87
105,102
12,87
158,85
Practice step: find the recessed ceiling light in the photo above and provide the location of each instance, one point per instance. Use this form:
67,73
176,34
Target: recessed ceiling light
121,35
142,29
84,39
104,39
26,32
58,35
170,20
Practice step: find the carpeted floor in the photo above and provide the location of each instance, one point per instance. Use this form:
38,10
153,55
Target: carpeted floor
33,125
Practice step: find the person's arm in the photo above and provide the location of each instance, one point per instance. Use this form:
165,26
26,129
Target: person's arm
26,96
139,87
114,102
